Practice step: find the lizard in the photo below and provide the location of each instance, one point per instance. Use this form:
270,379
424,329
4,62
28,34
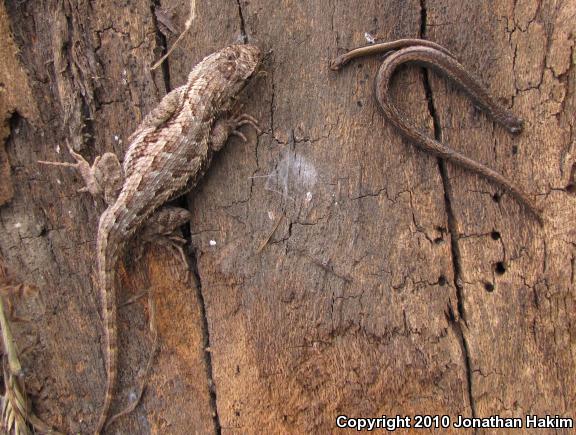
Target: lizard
168,153
432,55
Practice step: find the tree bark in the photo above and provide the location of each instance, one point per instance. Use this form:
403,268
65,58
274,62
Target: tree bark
392,283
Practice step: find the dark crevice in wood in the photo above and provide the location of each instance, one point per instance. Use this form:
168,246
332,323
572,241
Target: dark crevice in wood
272,96
457,327
452,223
193,261
6,185
14,123
571,186
206,345
162,42
242,23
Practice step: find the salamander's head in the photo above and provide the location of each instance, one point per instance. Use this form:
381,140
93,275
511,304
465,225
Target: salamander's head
225,73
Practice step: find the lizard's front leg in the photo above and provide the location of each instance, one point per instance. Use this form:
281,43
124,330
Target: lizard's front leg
103,179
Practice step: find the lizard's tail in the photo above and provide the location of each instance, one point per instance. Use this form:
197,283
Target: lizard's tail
107,248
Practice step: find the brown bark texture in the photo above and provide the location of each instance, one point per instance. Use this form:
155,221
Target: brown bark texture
393,283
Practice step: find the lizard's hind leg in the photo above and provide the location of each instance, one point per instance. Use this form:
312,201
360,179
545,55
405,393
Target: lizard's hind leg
163,229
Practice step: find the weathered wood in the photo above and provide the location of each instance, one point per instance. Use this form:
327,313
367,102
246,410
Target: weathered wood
393,284
517,279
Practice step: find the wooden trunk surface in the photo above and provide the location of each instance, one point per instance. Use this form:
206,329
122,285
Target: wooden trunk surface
394,284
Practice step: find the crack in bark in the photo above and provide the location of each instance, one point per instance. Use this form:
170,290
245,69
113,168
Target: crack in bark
242,23
161,39
452,225
272,97
193,262
192,256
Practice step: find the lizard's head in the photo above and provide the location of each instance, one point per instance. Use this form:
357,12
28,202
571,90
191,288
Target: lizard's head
240,61
232,68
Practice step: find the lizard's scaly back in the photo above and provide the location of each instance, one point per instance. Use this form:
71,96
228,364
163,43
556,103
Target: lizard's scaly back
210,90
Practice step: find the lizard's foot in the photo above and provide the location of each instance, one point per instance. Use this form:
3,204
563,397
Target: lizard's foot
227,127
239,121
163,229
177,243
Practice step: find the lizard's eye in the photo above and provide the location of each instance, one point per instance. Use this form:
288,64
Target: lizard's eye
231,57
